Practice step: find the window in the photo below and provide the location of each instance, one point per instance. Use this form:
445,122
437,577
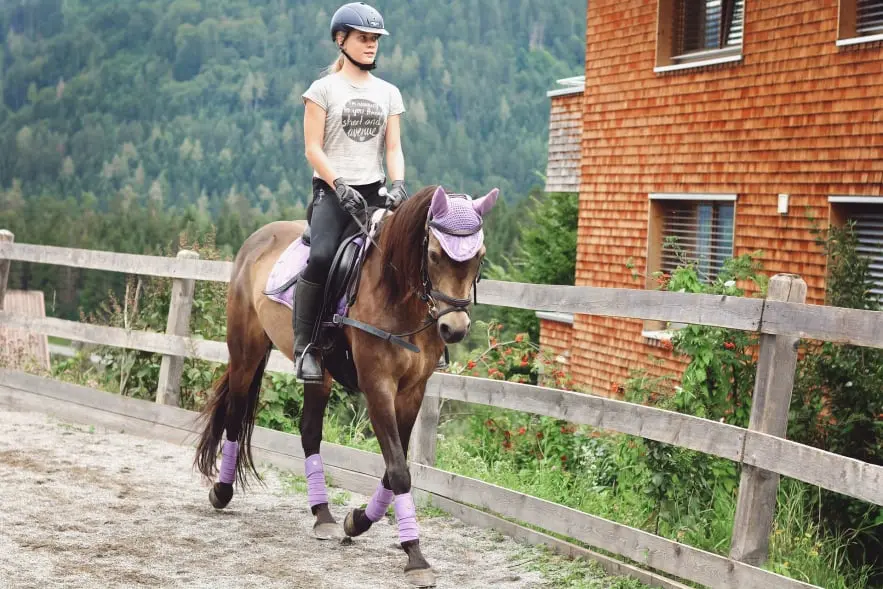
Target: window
869,17
860,21
692,33
688,229
867,214
699,233
710,24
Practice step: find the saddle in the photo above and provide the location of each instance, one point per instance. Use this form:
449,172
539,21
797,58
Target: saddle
341,288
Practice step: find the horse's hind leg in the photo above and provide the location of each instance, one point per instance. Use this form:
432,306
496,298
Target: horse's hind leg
249,348
313,414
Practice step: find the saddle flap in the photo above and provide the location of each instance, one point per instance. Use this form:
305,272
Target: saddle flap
344,268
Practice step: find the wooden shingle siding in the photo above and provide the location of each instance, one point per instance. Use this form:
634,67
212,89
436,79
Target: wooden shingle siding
565,134
556,339
797,115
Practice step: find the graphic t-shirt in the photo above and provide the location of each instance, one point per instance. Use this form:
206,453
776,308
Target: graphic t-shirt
355,124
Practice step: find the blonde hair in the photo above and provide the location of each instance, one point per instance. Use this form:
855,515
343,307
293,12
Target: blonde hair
336,66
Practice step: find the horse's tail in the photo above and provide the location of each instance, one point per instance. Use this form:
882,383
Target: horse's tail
214,416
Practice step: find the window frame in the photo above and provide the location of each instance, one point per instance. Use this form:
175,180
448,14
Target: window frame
838,212
654,330
667,37
847,26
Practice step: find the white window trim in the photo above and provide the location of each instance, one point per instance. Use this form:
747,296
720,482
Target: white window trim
691,196
874,200
558,317
695,64
662,335
706,54
859,40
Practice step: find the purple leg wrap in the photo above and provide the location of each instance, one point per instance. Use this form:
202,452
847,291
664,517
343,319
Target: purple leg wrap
406,516
315,471
228,462
379,503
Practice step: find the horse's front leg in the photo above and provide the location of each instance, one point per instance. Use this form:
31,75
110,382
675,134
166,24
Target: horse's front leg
393,417
359,521
312,417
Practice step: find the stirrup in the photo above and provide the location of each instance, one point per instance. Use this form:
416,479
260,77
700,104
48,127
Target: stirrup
299,366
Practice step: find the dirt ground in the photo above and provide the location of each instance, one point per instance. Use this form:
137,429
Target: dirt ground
88,507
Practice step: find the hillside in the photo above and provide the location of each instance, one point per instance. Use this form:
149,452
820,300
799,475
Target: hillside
197,103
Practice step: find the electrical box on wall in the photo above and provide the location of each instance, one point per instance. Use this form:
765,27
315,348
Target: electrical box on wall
783,204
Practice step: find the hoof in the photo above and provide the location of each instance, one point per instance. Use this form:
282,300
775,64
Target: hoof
349,527
420,578
220,495
325,531
355,526
326,527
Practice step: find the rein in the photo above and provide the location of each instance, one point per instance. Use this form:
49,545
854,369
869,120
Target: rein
430,295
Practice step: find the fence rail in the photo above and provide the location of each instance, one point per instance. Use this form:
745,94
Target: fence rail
853,326
761,449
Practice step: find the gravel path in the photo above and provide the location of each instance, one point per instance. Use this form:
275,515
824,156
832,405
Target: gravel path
90,507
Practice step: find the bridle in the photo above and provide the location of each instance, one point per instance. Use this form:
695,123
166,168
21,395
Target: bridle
431,295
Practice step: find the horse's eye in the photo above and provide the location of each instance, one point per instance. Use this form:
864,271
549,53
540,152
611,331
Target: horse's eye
434,257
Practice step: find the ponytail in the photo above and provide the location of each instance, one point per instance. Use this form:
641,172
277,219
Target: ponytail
335,66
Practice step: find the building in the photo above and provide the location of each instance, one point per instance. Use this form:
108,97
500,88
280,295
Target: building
732,125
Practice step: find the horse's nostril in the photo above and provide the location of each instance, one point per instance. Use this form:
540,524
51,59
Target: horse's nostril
444,329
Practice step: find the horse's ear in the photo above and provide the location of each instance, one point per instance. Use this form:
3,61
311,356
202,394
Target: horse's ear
439,205
484,204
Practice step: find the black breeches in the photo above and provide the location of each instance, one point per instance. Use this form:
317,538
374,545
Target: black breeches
328,221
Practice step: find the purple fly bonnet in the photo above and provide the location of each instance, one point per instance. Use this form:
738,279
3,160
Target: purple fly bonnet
456,222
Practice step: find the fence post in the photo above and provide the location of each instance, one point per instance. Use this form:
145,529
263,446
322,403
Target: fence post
758,488
5,236
425,433
178,323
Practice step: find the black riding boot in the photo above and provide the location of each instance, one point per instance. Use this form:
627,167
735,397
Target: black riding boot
307,306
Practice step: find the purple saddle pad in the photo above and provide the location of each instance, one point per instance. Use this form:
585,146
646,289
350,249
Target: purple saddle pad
292,261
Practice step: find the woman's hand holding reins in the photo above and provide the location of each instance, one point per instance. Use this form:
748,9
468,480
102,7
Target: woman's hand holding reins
396,195
350,199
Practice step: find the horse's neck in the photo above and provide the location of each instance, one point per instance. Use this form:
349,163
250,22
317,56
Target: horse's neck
373,293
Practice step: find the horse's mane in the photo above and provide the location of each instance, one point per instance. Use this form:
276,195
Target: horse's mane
401,240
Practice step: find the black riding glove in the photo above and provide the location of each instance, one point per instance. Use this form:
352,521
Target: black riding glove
396,195
350,199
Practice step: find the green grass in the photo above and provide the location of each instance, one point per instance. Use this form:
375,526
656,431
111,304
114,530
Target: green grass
293,483
571,573
798,547
339,497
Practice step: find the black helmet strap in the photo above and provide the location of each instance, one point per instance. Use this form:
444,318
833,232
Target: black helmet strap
361,66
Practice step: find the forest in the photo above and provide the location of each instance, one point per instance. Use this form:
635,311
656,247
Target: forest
124,123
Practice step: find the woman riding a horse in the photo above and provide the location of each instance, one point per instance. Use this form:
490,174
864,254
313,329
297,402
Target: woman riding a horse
418,273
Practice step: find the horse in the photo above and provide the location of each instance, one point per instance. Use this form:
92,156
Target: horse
418,273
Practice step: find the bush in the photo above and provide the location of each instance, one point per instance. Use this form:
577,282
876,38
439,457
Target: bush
145,307
838,397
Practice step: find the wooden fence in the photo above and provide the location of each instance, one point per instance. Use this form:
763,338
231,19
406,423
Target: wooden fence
781,320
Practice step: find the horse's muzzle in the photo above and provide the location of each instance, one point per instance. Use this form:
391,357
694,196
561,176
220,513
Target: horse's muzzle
452,332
